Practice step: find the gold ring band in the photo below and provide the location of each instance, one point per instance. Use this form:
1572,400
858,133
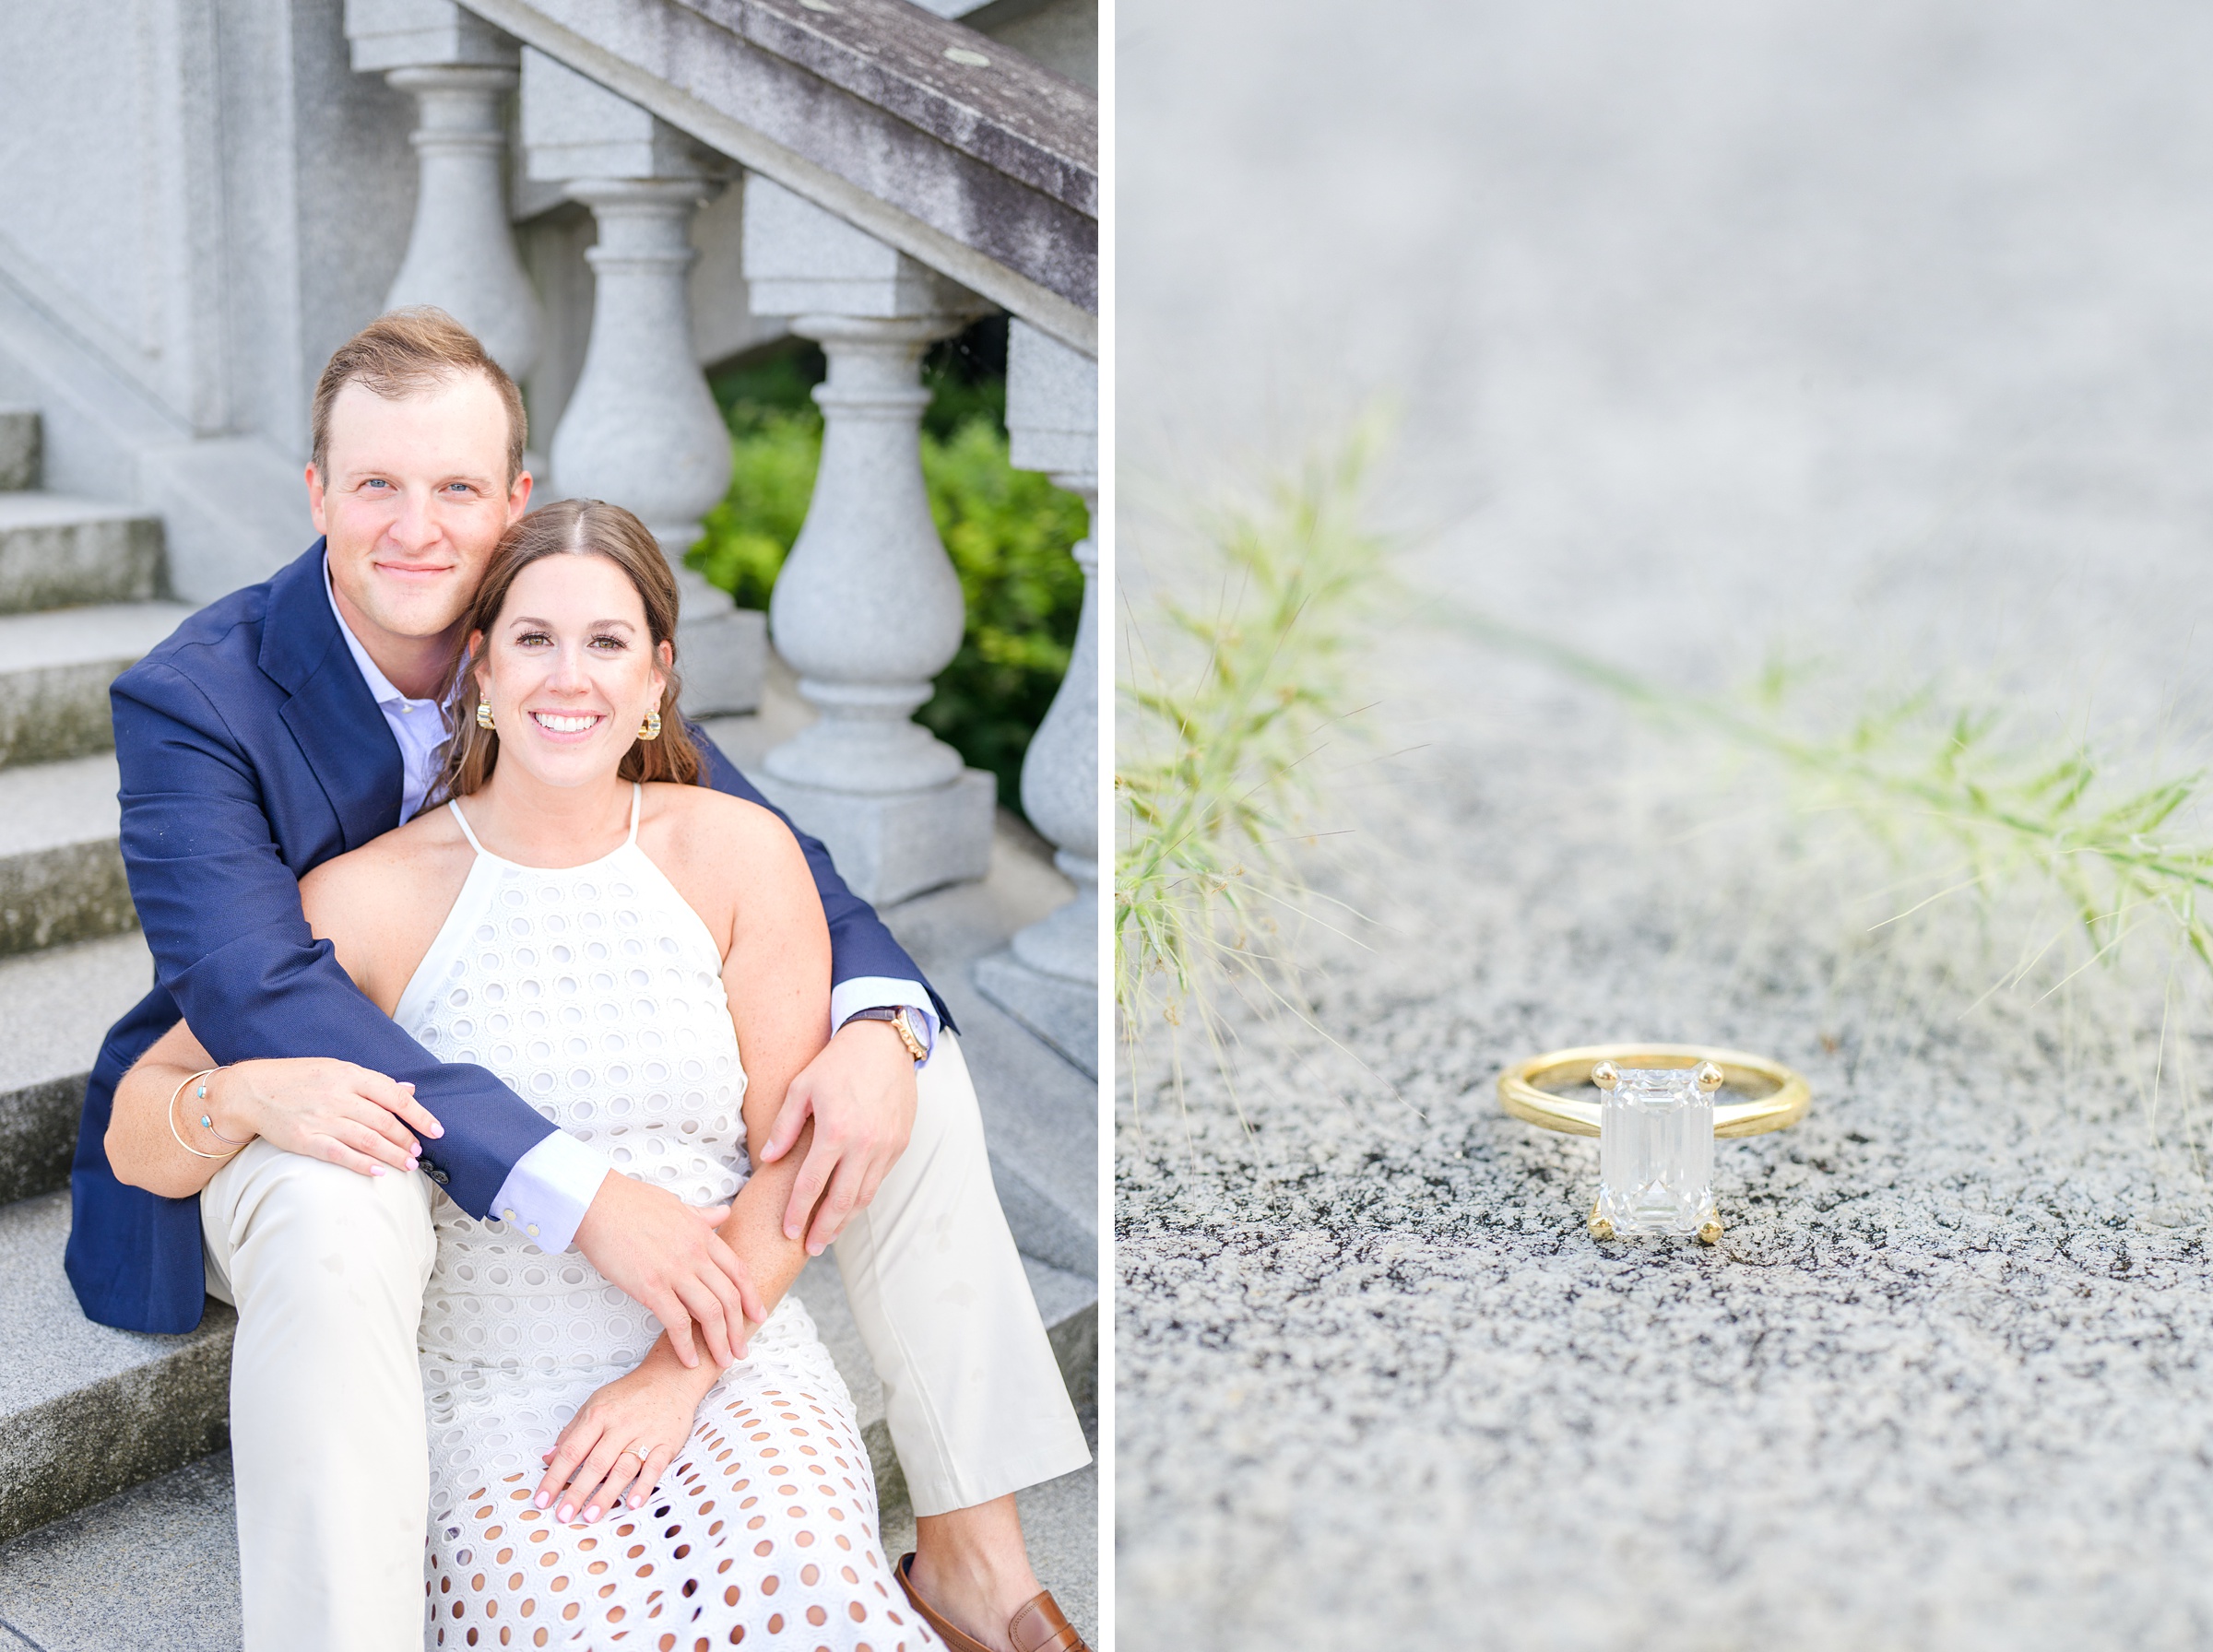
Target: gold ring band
1780,1097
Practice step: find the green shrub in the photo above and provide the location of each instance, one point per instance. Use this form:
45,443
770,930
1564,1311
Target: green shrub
1009,532
773,451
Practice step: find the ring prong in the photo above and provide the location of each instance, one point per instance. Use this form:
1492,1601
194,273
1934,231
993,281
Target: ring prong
1599,1227
1709,1075
1605,1075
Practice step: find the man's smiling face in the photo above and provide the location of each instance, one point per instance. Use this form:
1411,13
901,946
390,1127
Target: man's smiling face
413,498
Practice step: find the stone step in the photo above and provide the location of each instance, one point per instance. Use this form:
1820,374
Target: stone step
61,870
56,1006
54,671
86,1411
1069,1303
21,442
153,1566
59,552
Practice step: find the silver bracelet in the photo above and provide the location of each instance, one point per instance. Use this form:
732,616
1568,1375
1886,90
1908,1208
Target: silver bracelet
207,1122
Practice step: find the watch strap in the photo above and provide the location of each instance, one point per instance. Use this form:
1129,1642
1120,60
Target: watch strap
902,1022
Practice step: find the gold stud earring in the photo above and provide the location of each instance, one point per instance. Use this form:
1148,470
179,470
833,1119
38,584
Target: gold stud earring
651,728
484,714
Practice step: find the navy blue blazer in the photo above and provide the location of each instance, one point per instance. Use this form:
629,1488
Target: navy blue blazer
252,752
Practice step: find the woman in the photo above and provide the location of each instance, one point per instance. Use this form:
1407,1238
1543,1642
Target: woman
606,936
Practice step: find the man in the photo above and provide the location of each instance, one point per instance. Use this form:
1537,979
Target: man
297,719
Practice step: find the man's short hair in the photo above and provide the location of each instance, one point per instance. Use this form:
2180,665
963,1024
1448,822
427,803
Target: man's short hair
405,351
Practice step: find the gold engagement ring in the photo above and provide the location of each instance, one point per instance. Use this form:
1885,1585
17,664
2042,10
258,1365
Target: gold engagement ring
1656,1120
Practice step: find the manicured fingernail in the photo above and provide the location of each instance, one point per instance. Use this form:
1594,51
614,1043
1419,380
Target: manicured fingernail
376,1170
565,1511
592,1513
815,1249
541,1500
636,1500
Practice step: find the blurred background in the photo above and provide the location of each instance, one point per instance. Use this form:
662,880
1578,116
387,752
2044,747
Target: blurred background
1801,418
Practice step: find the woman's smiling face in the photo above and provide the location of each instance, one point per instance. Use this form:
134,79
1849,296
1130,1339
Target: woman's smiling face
569,668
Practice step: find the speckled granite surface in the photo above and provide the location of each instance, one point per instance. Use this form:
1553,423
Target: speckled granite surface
1880,330
1946,1383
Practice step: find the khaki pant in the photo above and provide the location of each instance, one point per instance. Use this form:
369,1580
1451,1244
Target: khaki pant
327,1268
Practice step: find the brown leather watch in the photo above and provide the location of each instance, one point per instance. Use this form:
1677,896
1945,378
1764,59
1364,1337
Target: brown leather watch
902,1022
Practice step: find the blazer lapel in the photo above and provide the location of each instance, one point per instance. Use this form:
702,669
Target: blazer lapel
341,732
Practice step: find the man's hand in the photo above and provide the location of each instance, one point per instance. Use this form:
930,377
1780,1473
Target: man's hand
860,1093
666,1254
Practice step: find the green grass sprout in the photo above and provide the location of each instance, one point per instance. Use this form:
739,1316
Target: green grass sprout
1236,679
2006,803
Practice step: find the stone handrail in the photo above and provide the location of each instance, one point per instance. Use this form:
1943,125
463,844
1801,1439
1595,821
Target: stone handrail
875,111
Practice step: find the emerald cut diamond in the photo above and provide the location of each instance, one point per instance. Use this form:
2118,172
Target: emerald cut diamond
1655,1153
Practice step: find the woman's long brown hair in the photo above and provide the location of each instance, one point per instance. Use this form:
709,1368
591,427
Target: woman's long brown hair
585,528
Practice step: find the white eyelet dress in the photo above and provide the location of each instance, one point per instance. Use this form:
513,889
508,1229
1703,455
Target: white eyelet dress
596,993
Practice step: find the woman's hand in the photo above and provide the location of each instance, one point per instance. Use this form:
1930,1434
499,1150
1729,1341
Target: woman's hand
621,1440
322,1109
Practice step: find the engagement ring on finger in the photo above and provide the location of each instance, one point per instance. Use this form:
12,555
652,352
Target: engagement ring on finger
1656,1120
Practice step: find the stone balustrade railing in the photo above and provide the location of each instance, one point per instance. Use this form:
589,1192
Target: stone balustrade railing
1049,979
901,177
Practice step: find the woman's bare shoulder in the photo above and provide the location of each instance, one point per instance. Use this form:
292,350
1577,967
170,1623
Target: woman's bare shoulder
380,905
355,887
725,855
698,819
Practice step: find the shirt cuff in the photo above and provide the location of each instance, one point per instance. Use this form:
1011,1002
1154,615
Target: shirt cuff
551,1188
883,992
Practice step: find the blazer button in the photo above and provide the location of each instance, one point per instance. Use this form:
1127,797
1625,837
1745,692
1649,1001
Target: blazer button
438,1176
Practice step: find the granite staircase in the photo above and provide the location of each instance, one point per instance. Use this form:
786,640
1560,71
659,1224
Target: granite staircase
108,1487
85,1412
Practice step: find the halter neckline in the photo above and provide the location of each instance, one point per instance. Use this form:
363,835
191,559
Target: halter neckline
637,796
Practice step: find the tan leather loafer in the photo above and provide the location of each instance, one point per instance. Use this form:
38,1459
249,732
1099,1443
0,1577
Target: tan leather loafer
1037,1627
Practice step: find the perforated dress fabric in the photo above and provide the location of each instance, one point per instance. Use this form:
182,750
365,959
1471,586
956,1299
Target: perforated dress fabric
596,993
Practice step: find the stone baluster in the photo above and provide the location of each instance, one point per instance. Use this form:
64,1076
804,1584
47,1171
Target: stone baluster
641,428
1049,978
868,609
461,254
